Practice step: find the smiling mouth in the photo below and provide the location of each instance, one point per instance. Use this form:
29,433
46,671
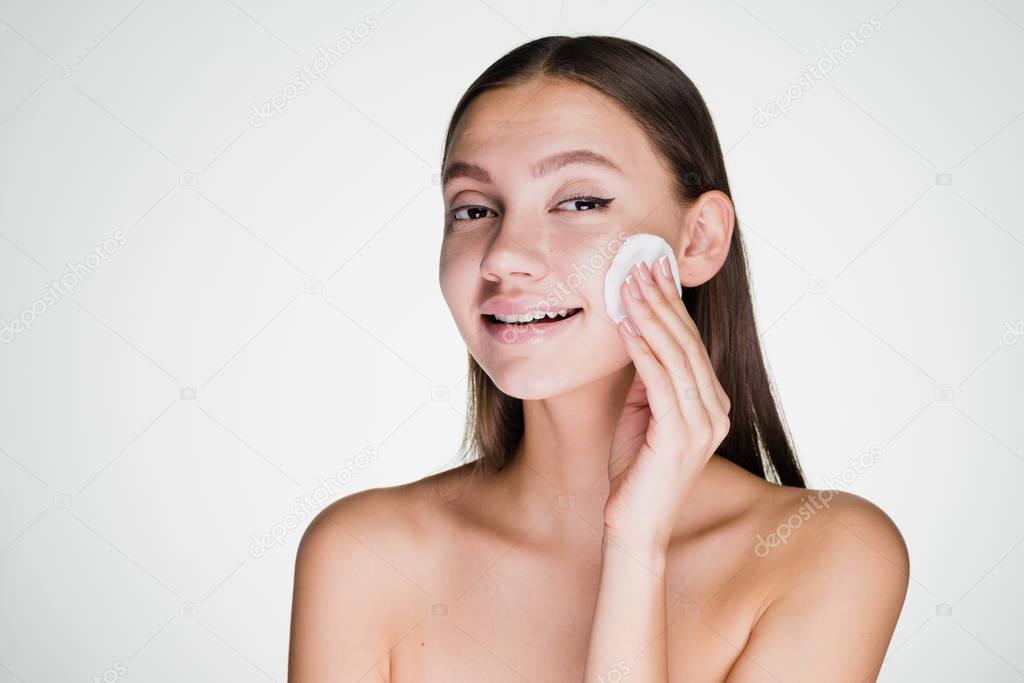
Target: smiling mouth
515,321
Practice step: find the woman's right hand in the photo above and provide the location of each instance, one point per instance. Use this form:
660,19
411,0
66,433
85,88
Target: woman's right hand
675,415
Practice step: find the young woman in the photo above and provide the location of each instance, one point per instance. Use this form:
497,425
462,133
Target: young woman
618,521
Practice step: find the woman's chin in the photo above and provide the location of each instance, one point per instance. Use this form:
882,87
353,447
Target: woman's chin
533,383
521,385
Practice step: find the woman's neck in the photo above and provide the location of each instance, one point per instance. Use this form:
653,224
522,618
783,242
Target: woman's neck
557,482
563,455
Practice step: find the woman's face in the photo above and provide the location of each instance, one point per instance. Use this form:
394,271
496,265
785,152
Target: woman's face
519,237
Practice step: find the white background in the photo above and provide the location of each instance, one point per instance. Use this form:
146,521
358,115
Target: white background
273,314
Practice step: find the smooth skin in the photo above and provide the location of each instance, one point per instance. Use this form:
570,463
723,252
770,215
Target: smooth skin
617,546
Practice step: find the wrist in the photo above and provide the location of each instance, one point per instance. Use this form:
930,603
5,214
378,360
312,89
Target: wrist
643,537
649,550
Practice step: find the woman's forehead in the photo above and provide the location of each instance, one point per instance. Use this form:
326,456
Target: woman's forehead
536,119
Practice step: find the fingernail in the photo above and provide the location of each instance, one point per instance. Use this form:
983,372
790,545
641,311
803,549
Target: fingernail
645,272
630,326
634,288
666,269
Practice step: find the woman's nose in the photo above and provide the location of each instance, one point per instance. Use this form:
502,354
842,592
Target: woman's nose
514,253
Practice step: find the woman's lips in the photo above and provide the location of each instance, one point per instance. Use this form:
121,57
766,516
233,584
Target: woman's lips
526,333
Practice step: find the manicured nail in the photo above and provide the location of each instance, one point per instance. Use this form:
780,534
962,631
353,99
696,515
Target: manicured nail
645,272
666,268
634,288
630,326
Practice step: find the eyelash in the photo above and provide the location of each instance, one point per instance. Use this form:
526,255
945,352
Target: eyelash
601,204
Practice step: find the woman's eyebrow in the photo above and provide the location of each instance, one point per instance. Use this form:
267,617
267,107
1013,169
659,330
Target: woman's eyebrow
462,169
574,156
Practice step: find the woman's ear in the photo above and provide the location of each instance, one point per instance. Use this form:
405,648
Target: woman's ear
705,236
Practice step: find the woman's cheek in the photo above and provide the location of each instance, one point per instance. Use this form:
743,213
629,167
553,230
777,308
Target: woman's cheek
587,259
448,279
457,257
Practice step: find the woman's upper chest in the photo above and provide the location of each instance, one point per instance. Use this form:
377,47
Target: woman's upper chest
515,615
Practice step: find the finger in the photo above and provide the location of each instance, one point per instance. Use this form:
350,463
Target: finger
685,330
703,408
664,345
665,424
660,393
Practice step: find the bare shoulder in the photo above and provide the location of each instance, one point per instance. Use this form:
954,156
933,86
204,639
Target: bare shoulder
361,581
834,528
388,525
803,523
378,514
840,569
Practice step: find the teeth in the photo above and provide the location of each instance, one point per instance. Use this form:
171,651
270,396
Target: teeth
530,317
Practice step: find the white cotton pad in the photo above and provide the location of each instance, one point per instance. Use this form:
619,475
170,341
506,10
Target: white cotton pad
639,247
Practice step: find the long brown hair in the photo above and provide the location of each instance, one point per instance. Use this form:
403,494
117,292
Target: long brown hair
668,107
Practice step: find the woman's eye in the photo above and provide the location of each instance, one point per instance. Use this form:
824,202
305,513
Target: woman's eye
470,213
586,203
579,204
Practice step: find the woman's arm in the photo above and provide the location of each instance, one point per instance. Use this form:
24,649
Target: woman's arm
627,638
674,416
